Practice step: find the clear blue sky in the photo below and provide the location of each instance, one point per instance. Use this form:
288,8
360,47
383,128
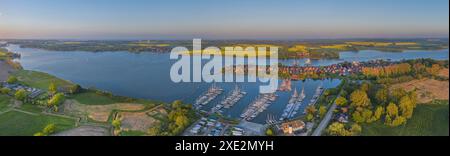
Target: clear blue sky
223,19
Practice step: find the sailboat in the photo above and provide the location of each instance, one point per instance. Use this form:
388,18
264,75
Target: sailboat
308,62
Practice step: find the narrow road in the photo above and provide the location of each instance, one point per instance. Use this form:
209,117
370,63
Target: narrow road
323,124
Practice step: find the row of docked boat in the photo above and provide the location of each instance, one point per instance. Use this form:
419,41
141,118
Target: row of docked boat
235,95
207,97
261,103
316,96
293,105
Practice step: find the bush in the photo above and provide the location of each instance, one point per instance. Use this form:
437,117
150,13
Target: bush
12,79
5,91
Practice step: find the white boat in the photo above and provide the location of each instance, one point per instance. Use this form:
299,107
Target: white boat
261,103
294,105
207,97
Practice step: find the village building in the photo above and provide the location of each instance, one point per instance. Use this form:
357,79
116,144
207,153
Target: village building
292,127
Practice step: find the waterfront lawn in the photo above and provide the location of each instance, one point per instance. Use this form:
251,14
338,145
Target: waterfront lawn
15,123
40,80
428,120
4,102
92,98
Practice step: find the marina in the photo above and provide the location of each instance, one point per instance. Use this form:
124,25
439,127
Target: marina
235,95
210,95
258,106
294,104
319,91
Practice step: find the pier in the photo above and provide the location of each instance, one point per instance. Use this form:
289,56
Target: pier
207,97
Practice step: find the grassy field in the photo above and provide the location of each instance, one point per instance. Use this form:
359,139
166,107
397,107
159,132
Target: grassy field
428,120
4,102
39,80
15,123
31,108
92,98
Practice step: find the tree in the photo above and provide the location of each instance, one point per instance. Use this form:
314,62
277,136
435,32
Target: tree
341,101
378,113
338,129
382,95
12,79
388,120
355,129
309,117
367,115
392,110
311,110
52,88
155,130
357,117
398,93
322,111
56,100
181,121
49,129
359,99
413,98
74,89
21,95
5,91
116,123
39,134
365,87
177,104
434,70
406,107
269,132
399,120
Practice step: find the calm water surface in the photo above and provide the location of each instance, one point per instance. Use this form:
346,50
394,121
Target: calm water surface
146,75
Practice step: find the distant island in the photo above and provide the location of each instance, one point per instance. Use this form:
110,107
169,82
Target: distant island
314,49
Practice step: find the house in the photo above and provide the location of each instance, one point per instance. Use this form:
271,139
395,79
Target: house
341,117
33,92
292,127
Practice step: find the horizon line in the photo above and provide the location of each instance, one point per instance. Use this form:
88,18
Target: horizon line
226,39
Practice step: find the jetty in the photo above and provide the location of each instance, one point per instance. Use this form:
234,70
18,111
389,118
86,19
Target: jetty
235,95
293,105
317,94
207,97
259,105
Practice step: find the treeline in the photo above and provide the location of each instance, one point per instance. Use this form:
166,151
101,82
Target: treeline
405,71
367,102
387,71
92,46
